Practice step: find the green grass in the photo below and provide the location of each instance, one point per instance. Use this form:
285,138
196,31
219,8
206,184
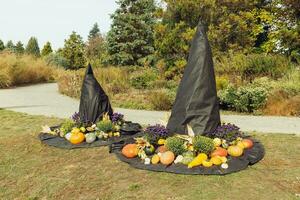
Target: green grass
31,170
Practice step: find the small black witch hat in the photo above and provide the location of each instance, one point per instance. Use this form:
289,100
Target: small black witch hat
94,103
196,105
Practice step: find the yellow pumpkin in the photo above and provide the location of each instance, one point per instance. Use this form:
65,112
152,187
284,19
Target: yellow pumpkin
235,151
77,138
167,158
130,150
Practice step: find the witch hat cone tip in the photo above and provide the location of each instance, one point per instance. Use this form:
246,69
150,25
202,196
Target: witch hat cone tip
89,69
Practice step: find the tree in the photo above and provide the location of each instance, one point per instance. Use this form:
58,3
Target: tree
73,51
32,47
94,32
10,46
47,49
2,47
19,48
131,38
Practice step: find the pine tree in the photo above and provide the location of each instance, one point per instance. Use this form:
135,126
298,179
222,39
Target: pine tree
94,32
47,49
131,36
73,51
2,47
19,48
10,46
32,47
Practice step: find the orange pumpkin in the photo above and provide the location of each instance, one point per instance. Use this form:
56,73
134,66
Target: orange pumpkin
162,149
167,158
77,138
130,150
219,152
247,143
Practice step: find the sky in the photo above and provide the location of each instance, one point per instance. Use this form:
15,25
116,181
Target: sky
52,20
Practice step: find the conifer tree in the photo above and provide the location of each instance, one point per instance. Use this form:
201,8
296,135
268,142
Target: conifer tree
131,36
32,47
2,47
19,48
10,46
94,32
73,51
47,49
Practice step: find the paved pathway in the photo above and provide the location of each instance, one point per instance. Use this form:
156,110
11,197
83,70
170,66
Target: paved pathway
44,99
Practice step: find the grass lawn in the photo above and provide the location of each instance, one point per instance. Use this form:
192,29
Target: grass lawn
31,170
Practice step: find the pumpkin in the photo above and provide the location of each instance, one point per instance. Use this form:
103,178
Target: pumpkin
130,150
247,143
162,149
219,152
235,151
77,138
167,158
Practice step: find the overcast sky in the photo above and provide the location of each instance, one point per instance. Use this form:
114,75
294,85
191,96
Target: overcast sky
52,20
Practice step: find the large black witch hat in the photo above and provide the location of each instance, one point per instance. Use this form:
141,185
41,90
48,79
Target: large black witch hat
93,102
196,103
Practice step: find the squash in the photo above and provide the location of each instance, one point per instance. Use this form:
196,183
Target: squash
155,159
219,152
235,151
198,160
77,138
149,150
162,149
247,143
90,137
167,158
130,150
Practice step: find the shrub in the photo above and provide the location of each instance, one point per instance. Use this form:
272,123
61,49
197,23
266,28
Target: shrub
253,65
56,59
105,126
247,98
203,144
160,100
143,79
222,82
67,126
176,145
25,69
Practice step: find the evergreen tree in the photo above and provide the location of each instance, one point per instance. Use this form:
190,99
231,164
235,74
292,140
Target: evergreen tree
19,48
47,49
32,47
10,46
94,32
131,36
2,47
73,51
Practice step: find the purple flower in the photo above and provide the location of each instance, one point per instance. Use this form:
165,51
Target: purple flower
226,131
154,133
117,117
76,117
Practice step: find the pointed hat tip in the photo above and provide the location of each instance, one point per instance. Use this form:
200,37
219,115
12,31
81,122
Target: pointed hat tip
89,69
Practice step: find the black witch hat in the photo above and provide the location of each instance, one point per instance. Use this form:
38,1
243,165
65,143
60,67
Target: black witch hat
94,103
196,103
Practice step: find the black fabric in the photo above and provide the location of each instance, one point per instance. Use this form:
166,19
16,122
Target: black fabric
196,101
250,157
131,130
93,102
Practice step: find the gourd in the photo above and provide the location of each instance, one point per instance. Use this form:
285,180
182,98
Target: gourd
167,158
198,160
90,137
130,150
235,151
77,138
247,143
219,152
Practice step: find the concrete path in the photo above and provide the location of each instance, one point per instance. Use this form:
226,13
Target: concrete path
44,99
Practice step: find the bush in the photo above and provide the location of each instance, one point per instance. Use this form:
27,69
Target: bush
176,145
25,69
203,144
105,126
247,98
253,65
222,82
56,59
160,100
143,79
